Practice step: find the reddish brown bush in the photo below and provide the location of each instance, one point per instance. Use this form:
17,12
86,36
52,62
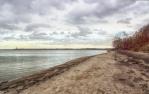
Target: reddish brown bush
135,42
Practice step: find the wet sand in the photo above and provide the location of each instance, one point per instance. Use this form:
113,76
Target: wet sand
100,74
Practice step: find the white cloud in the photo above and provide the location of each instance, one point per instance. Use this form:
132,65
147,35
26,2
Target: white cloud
70,21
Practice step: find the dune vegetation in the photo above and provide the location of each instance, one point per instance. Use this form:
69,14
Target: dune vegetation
137,42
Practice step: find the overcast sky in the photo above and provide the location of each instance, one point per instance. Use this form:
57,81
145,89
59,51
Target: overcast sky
68,23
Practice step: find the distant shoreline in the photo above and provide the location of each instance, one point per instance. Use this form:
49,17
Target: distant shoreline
65,49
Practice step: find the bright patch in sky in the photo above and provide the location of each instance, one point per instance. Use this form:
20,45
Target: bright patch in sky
68,23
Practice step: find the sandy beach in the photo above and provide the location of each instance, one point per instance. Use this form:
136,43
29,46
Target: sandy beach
100,74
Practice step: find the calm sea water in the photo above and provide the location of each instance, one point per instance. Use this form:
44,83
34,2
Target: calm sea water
18,63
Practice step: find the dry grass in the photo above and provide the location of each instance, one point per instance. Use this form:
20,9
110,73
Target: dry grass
136,42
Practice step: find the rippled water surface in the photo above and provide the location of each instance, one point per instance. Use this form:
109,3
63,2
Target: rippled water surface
18,63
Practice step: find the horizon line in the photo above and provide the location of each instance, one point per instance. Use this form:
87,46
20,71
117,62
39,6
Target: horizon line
53,48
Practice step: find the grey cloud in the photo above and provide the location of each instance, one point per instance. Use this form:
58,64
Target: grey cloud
101,32
15,12
54,33
39,36
7,38
35,6
62,32
102,10
16,19
51,3
124,21
138,9
146,21
9,16
4,26
24,37
59,33
102,21
83,31
17,5
32,27
19,11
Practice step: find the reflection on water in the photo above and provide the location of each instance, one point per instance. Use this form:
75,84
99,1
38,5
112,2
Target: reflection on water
18,63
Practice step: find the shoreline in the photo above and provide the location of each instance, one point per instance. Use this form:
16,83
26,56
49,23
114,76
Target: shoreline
105,73
43,75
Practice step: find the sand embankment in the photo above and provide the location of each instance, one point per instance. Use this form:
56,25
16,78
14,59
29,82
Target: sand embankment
138,55
100,74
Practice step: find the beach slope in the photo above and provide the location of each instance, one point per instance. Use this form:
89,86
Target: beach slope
100,74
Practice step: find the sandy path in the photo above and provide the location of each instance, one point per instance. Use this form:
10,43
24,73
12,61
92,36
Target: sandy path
100,74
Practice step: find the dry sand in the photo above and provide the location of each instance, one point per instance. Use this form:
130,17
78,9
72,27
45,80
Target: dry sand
101,74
